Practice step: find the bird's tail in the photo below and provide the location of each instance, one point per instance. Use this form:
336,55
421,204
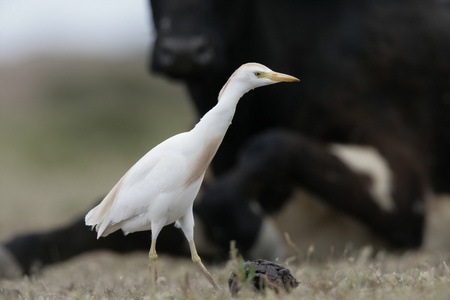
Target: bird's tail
98,217
94,220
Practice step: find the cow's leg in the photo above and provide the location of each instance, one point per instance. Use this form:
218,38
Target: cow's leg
273,164
38,249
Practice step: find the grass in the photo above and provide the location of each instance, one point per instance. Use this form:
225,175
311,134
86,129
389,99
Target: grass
70,129
105,275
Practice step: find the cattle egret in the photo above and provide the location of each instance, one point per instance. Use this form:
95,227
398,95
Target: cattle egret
161,187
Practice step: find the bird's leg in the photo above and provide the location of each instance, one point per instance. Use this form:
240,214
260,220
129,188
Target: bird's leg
186,223
153,256
197,260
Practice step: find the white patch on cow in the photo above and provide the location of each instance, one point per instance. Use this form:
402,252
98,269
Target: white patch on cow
367,160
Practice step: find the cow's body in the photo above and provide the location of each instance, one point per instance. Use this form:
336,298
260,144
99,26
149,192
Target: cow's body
375,85
370,80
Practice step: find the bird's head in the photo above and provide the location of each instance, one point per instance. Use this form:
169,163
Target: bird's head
259,75
253,75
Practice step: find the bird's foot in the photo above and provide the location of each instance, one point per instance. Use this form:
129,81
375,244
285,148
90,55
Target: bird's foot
205,271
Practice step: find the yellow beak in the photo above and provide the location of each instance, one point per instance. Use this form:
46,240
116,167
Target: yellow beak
280,77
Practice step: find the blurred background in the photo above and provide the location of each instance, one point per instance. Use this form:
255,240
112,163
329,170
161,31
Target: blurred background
78,106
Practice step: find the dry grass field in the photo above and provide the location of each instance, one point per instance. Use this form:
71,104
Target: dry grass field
70,129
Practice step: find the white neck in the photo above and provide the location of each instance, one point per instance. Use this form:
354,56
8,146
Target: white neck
218,119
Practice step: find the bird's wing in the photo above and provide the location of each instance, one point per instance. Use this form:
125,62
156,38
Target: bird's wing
133,193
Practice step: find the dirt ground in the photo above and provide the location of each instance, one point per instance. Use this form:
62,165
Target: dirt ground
68,132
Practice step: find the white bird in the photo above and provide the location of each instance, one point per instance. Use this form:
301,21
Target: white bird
161,187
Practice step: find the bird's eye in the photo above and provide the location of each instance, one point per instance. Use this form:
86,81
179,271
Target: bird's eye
258,74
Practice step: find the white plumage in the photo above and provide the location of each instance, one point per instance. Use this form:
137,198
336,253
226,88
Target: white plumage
161,187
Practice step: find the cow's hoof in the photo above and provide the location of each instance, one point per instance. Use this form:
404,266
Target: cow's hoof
9,268
263,274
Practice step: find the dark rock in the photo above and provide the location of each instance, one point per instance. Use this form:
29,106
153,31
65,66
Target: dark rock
267,275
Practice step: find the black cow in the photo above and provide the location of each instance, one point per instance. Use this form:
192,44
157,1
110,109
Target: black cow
375,87
374,74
